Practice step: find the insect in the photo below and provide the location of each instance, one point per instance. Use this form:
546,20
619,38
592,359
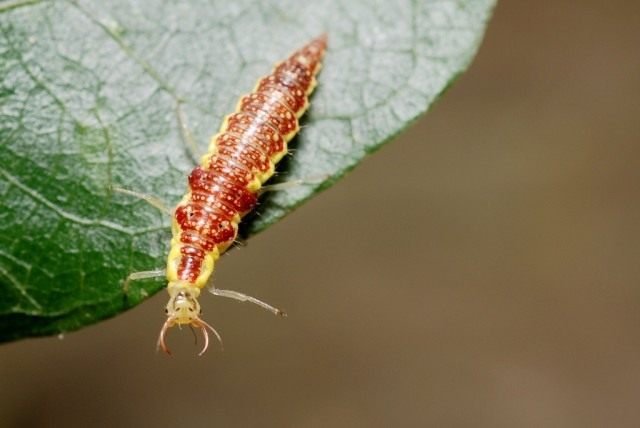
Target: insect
226,184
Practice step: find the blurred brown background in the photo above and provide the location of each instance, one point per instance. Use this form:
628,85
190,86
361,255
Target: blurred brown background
480,271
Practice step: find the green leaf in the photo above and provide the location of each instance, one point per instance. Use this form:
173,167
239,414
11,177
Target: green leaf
89,92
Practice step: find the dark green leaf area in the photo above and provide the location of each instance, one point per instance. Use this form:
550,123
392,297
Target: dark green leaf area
91,98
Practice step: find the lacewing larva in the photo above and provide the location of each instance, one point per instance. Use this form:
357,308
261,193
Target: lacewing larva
225,186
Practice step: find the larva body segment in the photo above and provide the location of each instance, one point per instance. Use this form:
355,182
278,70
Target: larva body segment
241,157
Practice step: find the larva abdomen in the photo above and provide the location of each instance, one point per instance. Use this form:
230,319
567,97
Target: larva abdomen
242,156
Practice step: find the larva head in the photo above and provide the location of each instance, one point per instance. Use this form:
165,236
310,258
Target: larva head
183,309
183,306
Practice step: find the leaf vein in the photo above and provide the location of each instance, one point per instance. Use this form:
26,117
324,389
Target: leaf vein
22,289
62,213
131,54
10,5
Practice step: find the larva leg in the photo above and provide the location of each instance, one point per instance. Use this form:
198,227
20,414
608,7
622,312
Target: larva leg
244,298
239,242
145,274
151,200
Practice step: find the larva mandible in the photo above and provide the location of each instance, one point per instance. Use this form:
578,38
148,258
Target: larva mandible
224,187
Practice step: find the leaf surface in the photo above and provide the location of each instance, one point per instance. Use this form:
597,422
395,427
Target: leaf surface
90,94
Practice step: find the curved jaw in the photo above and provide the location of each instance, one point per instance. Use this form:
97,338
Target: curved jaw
196,322
183,309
